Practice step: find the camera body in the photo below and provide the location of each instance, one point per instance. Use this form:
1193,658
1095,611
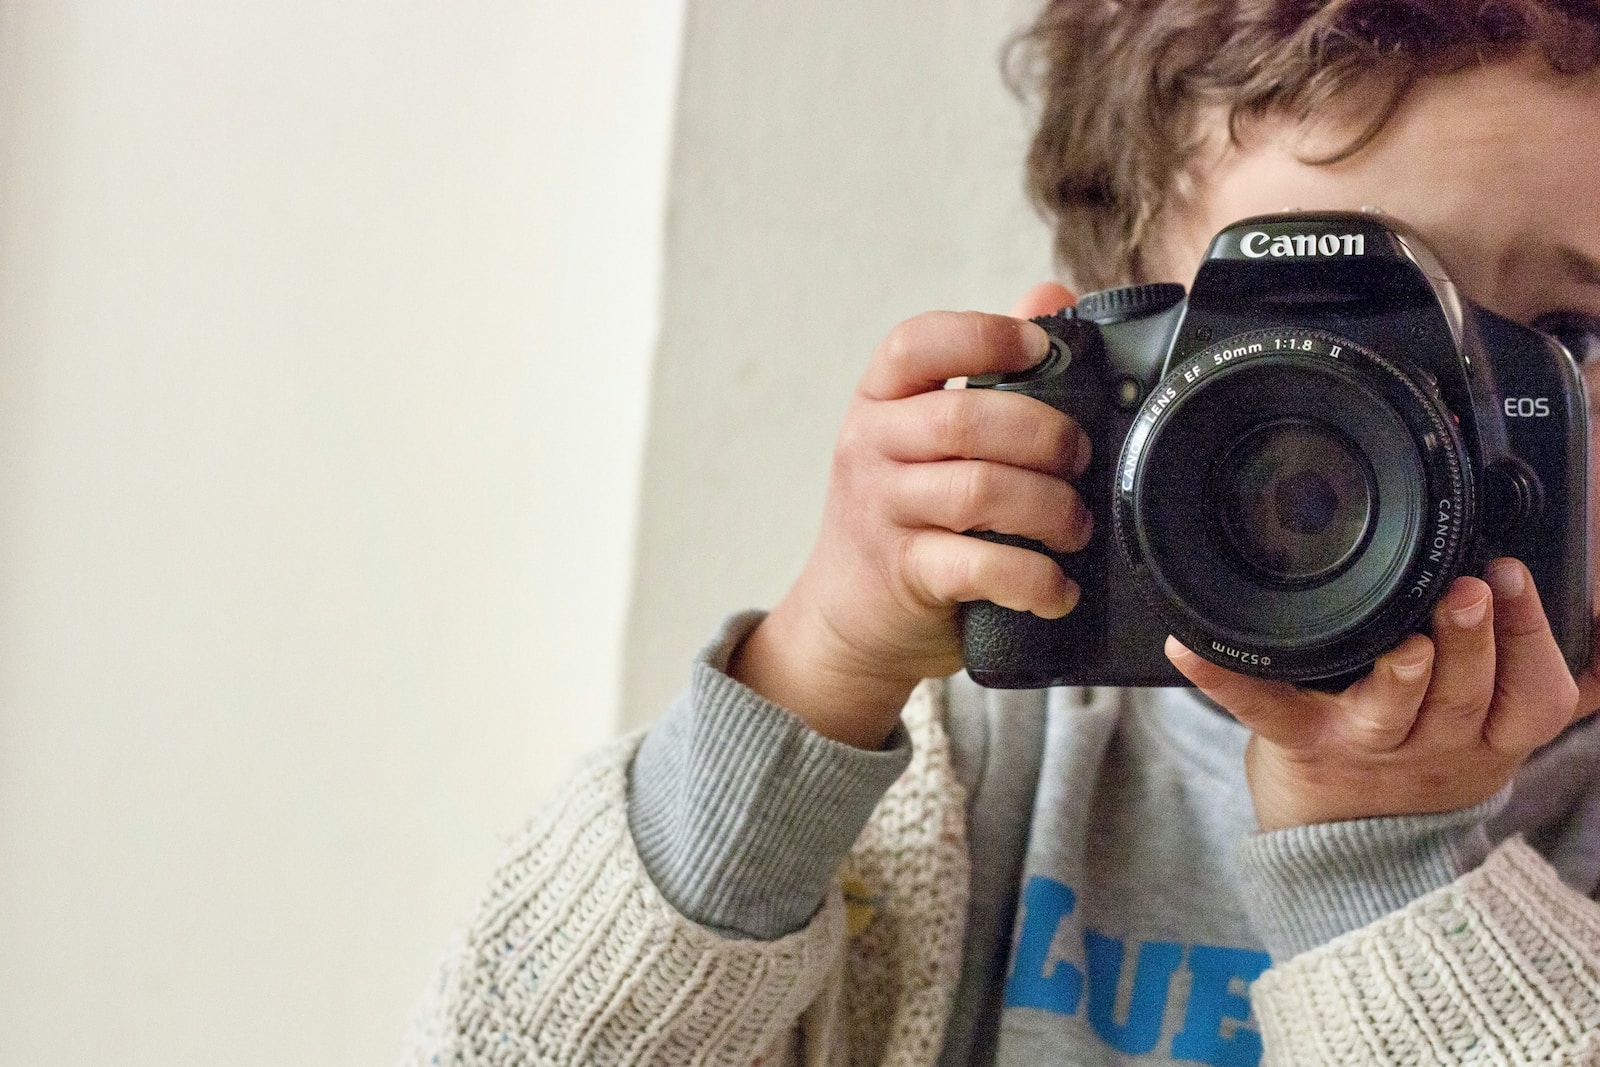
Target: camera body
1293,461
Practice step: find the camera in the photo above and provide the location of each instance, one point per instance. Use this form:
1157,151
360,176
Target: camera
1292,462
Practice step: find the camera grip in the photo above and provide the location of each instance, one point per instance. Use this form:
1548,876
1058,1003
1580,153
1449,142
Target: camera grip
1007,649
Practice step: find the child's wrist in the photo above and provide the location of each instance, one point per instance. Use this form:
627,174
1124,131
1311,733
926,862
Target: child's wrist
794,668
1290,790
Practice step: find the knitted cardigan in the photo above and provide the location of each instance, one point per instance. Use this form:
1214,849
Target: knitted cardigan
573,956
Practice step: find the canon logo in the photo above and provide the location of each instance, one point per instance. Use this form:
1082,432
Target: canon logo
1257,244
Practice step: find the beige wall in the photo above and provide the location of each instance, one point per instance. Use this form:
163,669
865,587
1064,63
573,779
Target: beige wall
324,339
839,166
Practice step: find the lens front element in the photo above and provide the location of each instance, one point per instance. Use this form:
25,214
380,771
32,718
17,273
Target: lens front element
1295,501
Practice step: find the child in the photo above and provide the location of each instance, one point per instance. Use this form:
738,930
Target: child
816,857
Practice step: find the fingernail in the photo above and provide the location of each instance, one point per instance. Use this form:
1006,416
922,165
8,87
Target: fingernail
1066,601
1409,672
1085,525
1506,578
1083,453
1471,615
1176,650
1036,342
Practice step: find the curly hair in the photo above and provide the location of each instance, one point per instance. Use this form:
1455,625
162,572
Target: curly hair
1121,87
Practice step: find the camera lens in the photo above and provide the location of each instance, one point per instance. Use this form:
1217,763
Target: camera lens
1291,504
1295,501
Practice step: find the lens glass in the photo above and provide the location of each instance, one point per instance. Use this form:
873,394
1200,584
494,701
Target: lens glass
1295,502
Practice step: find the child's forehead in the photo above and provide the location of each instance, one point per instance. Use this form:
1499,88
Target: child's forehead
1497,166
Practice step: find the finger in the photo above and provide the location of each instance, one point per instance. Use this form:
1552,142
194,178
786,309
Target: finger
1010,428
1043,299
921,354
1277,711
1535,695
962,495
944,568
1379,712
1462,686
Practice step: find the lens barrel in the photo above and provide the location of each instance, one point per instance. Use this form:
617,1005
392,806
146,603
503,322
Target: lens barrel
1292,504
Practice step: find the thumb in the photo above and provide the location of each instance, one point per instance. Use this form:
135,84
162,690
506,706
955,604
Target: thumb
1043,299
1277,711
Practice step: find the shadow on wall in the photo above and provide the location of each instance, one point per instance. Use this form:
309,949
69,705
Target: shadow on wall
862,165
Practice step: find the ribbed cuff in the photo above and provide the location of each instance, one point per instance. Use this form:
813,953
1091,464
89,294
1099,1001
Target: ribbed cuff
1307,885
740,811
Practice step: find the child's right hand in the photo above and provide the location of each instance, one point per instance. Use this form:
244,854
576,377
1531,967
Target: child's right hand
873,611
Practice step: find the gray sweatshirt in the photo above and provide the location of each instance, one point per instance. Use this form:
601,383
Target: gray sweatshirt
1122,900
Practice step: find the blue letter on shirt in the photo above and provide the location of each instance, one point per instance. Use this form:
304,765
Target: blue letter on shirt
1211,1001
1045,902
1157,961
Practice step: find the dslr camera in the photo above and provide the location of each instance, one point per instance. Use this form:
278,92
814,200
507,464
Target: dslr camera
1294,460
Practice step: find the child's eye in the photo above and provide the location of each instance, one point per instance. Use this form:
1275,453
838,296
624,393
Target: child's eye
1579,333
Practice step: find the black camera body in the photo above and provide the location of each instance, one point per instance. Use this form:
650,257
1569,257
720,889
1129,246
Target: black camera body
1293,462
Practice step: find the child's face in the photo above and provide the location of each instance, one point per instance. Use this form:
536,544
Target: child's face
1498,168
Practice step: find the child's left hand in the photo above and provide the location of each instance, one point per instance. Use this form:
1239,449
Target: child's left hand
1439,724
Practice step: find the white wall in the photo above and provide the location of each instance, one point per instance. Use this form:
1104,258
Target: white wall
840,166
324,337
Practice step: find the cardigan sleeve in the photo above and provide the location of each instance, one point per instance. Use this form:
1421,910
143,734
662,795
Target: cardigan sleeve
1500,966
573,956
